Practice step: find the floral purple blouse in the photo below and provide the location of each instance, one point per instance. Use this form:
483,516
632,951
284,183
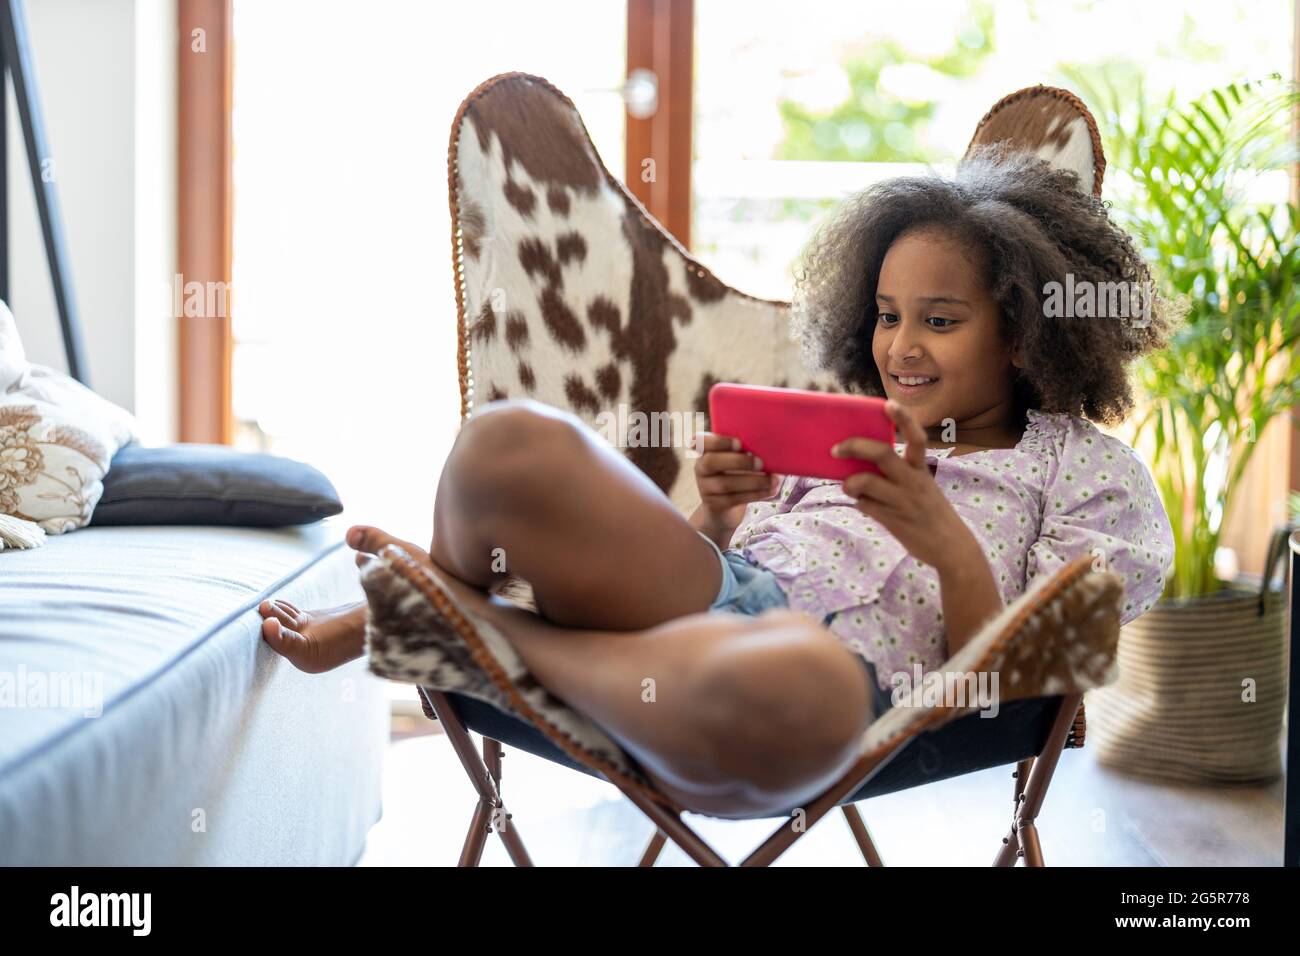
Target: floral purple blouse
1065,490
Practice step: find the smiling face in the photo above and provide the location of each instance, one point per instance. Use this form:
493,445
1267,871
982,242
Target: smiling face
936,343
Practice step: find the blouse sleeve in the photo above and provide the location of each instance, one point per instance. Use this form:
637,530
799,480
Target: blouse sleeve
1100,499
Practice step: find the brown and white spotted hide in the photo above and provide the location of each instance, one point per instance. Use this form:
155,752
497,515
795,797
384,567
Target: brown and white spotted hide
1051,123
574,296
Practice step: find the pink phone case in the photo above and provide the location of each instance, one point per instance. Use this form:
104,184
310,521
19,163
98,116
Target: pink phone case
793,430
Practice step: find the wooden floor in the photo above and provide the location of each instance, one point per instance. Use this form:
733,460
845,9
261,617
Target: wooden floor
1092,817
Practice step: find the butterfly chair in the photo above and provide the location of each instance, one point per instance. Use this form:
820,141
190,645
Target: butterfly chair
569,293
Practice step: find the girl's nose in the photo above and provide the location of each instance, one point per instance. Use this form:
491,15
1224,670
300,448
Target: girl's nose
904,343
904,347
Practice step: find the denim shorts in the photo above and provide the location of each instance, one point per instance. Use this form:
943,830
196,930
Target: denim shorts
749,589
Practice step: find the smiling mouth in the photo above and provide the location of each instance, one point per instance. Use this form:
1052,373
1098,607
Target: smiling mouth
912,383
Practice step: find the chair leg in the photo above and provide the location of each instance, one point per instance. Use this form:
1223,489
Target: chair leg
485,774
671,825
862,835
653,848
1030,849
493,753
787,833
1010,851
472,852
1033,777
1021,777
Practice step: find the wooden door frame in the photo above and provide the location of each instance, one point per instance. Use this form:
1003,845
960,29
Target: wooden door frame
658,154
205,62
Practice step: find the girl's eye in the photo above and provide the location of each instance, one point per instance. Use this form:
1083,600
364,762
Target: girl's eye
889,319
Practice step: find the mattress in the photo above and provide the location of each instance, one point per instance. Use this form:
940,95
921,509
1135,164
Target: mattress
144,721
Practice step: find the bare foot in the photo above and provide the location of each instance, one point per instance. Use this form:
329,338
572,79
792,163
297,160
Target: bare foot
314,641
318,641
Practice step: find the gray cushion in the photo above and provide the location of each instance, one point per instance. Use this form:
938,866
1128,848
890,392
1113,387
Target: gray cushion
212,485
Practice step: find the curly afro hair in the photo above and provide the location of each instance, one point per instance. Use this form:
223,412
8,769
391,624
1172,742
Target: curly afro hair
1029,225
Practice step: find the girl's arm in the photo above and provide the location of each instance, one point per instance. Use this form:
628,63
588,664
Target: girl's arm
969,594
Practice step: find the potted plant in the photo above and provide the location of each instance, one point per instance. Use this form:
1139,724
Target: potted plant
1202,674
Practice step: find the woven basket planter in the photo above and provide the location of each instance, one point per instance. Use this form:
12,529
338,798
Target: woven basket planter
1180,710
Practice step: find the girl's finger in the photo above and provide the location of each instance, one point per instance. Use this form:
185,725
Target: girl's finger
913,433
877,452
715,462
874,488
708,441
873,510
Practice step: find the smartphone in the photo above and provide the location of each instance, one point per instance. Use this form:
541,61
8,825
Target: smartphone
793,430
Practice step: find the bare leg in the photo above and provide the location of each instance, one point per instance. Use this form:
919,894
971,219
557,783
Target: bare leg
535,488
600,544
726,713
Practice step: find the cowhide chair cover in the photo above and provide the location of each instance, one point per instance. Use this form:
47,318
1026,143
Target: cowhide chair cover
569,293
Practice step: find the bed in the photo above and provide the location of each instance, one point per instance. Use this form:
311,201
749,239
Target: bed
144,721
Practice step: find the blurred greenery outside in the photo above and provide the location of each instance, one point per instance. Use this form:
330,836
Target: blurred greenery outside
871,125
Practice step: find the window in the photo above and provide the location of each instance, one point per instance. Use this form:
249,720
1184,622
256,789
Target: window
798,105
343,309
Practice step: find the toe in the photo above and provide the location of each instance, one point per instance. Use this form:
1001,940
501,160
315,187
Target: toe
275,634
287,642
288,615
371,540
274,607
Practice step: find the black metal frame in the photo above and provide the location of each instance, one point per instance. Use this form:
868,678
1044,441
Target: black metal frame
16,60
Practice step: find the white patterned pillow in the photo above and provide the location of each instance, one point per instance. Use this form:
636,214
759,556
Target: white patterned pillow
56,439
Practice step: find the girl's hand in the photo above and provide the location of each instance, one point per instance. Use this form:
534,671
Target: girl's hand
728,480
905,498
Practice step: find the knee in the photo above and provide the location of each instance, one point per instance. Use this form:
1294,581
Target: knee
508,444
783,709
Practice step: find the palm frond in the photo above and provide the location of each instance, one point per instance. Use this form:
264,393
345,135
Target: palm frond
1232,364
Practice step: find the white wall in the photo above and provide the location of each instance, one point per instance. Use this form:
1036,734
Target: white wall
106,74
155,219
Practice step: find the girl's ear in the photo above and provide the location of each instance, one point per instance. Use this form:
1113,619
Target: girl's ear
1016,359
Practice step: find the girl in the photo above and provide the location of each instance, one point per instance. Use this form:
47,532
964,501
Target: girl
927,291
